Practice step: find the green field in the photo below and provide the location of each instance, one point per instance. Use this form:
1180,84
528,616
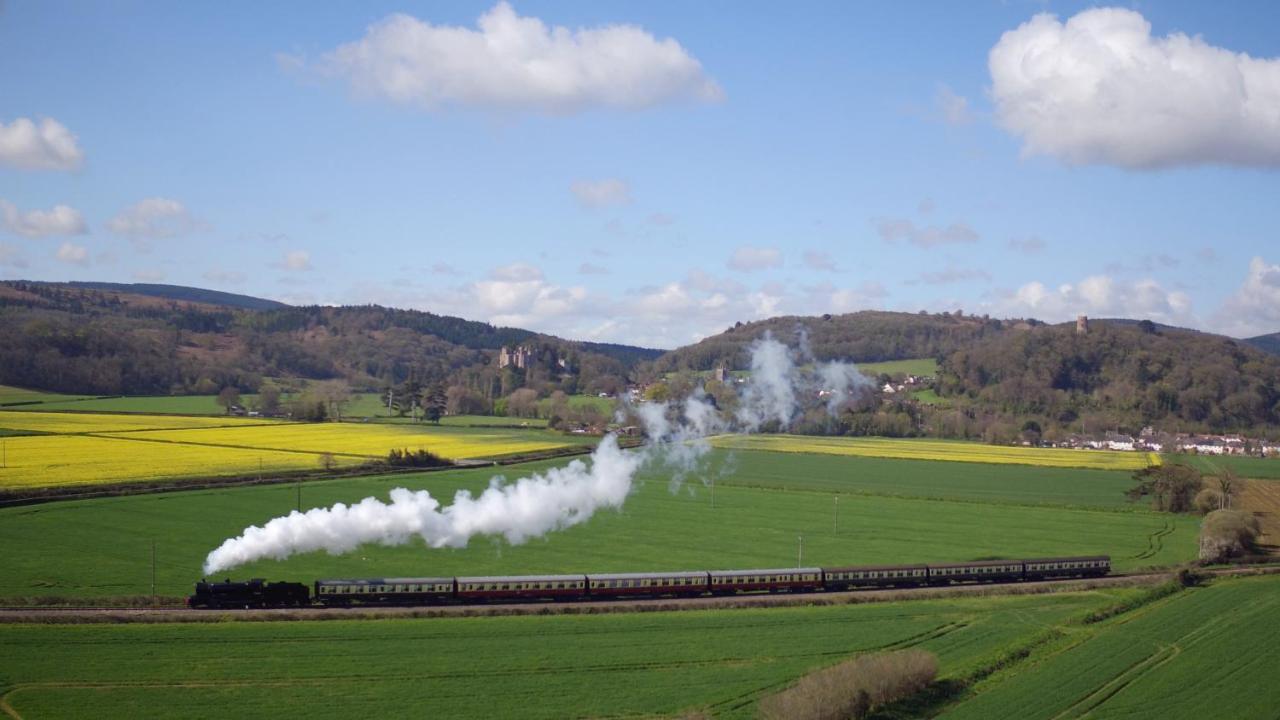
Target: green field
630,665
11,395
919,366
1204,653
888,511
1249,467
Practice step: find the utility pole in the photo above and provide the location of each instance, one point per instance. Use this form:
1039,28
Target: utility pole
800,554
153,571
259,469
835,515
299,494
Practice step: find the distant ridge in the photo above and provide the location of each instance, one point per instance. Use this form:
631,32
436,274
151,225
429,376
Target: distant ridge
1267,343
188,294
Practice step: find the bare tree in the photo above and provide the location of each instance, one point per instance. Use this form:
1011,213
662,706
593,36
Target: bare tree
335,394
1228,485
229,398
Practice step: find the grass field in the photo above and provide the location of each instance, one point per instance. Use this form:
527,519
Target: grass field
635,665
10,395
90,548
1249,467
951,451
927,367
1203,653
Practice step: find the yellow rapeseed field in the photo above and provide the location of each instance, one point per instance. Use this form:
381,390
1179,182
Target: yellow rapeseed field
58,460
951,451
73,423
364,440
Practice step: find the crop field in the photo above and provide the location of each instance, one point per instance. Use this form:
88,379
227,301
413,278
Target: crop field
951,451
630,665
41,461
1204,653
848,510
65,423
369,440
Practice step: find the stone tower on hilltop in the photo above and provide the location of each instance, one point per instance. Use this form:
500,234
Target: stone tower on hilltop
1082,325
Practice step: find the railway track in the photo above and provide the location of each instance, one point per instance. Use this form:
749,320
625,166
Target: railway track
90,614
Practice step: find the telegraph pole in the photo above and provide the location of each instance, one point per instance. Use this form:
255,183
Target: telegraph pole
835,515
800,554
153,571
299,494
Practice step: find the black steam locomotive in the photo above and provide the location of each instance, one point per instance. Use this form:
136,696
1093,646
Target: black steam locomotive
523,588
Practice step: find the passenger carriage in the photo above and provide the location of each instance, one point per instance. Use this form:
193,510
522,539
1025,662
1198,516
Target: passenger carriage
522,587
843,578
976,571
648,584
385,591
1047,568
729,582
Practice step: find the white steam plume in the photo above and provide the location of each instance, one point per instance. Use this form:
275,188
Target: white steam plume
561,497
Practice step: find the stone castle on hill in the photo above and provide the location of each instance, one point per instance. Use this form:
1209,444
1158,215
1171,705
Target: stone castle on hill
519,357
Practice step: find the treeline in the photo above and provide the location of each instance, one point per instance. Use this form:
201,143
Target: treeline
85,340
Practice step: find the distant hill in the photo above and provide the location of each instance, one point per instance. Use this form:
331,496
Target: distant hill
998,379
107,338
189,294
1269,343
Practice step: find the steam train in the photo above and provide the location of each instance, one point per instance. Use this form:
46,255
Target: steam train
531,588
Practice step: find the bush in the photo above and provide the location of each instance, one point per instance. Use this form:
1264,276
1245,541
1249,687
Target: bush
1226,534
415,458
1208,500
853,688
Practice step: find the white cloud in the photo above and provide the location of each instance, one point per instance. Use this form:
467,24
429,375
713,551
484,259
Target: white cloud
895,229
1254,309
47,145
154,218
73,254
750,259
519,63
1100,89
61,220
954,108
1030,245
11,257
1101,296
601,193
225,277
589,268
296,261
818,260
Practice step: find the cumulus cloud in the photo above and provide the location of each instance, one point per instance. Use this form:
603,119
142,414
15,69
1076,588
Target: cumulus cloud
46,145
750,259
893,230
225,277
11,257
73,254
509,62
296,261
61,220
601,193
154,218
952,275
1099,89
1031,245
1254,309
818,260
954,108
1099,295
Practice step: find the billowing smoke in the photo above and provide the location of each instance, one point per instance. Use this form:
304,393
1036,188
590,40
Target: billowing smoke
677,440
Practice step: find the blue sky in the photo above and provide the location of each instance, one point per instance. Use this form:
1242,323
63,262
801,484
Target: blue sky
656,182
